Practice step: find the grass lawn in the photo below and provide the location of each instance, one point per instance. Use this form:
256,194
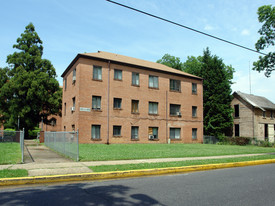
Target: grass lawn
96,152
10,153
7,173
106,168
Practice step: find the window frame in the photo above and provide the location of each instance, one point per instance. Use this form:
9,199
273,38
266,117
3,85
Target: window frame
95,100
97,134
134,133
154,133
194,133
96,74
115,129
172,86
135,79
194,88
175,114
117,103
194,111
116,74
153,82
153,106
236,110
133,111
172,131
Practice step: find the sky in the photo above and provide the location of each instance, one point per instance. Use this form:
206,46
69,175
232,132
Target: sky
69,27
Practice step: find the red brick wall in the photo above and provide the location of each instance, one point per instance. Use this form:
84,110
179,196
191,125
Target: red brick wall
85,87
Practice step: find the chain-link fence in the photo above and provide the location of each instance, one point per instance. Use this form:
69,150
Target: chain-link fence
65,143
210,140
13,136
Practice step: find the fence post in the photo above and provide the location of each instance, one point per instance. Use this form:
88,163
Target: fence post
22,144
77,158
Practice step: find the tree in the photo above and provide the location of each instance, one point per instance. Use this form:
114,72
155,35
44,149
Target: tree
266,15
32,92
171,61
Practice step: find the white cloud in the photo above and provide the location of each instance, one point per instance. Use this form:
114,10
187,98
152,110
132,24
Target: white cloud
208,27
245,32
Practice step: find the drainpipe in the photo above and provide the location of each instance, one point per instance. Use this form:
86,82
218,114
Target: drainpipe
108,103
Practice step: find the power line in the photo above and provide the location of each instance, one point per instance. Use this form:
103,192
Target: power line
186,27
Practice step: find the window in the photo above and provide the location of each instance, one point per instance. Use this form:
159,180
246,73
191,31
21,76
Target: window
135,104
153,82
134,132
237,130
65,83
194,111
135,79
153,132
271,114
194,88
237,110
117,74
96,103
73,127
153,108
117,103
194,133
175,110
174,85
97,73
73,108
174,133
64,128
96,131
263,114
65,105
117,131
74,76
53,122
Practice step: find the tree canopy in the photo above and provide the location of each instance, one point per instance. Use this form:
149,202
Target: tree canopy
266,15
217,81
31,91
171,61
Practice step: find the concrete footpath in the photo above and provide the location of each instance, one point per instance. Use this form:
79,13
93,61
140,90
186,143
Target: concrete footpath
44,165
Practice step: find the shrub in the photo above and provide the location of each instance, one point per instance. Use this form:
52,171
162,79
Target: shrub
33,133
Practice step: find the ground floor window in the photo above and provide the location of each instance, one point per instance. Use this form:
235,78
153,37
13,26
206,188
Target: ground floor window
237,130
95,131
153,132
116,130
174,133
194,133
134,132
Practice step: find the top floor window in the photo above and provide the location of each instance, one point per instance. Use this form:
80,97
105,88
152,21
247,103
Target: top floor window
97,73
65,84
135,79
74,75
153,81
271,114
174,85
264,114
194,88
118,74
237,110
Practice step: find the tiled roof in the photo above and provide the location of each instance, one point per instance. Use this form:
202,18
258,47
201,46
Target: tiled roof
132,61
256,101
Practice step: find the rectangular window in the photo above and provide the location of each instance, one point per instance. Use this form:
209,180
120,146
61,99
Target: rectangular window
263,114
74,75
153,81
174,133
153,132
194,111
117,74
117,103
73,108
96,103
174,85
194,133
73,127
134,132
237,110
65,82
97,72
135,79
153,108
64,128
175,110
96,131
237,130
116,130
65,108
271,114
135,104
194,88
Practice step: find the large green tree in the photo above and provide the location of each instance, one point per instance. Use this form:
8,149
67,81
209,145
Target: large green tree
31,91
171,61
217,81
266,15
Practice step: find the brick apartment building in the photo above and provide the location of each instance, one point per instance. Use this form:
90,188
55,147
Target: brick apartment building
112,98
253,116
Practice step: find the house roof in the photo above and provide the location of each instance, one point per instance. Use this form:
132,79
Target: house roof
256,101
130,61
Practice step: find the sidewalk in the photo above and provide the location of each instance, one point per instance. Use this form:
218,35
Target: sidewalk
41,161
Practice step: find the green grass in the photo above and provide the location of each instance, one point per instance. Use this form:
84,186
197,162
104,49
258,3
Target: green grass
7,173
97,152
10,153
107,168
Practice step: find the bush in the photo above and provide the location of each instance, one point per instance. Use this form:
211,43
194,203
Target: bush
33,133
242,141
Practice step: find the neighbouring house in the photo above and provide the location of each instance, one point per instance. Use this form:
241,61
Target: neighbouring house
111,98
54,126
253,116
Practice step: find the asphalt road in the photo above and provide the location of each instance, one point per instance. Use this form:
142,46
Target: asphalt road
236,186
